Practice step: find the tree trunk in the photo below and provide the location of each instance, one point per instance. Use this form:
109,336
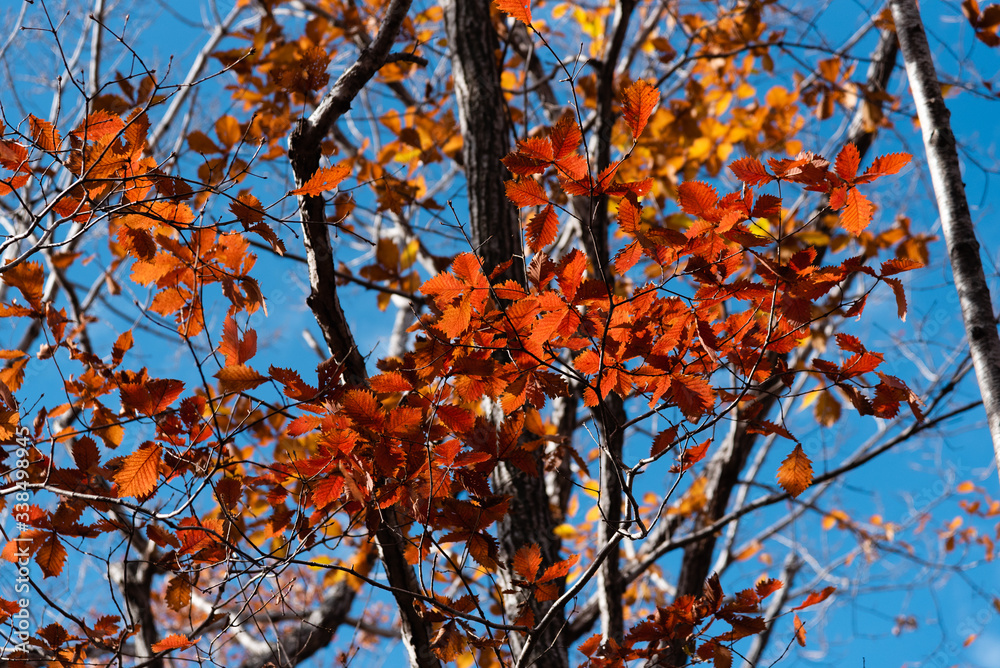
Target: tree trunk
956,221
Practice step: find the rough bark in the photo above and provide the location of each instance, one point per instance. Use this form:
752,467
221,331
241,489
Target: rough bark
496,237
956,221
494,227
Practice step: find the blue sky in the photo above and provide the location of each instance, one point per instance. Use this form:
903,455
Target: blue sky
856,626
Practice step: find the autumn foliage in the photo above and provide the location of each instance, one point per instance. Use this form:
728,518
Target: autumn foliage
255,466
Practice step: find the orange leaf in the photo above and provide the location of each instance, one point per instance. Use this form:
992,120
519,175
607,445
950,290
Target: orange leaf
795,473
815,597
751,171
247,209
559,569
542,228
858,213
29,278
227,129
519,9
140,471
565,136
325,178
847,163
390,382
884,165
45,135
527,560
173,641
800,630
238,378
526,192
640,101
122,345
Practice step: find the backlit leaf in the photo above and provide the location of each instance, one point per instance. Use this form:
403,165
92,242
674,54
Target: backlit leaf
795,473
140,471
847,162
325,178
238,378
172,642
519,9
526,192
750,171
639,101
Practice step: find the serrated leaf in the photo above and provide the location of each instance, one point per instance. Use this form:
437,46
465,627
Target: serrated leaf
140,471
795,473
527,561
847,162
518,9
51,556
858,212
542,229
885,165
44,134
526,192
325,178
238,378
640,99
751,171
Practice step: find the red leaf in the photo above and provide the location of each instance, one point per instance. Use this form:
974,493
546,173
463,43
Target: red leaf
519,9
542,228
640,101
815,597
692,394
526,192
767,587
663,441
847,162
795,473
627,257
325,178
697,199
751,171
